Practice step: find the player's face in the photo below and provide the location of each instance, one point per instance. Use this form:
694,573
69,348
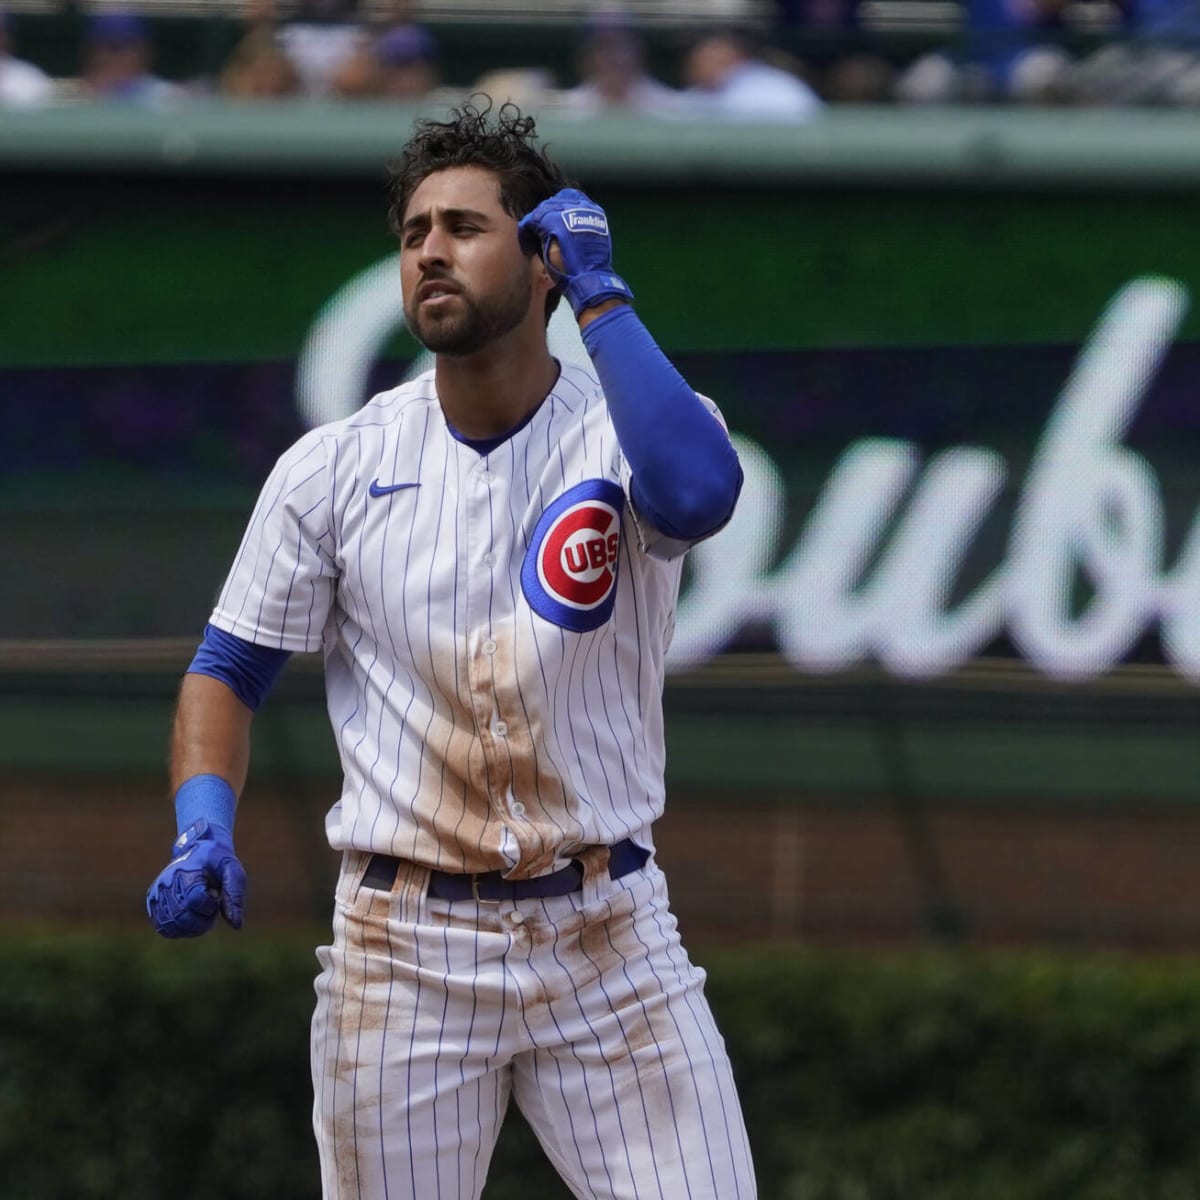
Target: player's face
465,280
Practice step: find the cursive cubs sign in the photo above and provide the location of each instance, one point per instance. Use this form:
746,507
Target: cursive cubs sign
569,575
873,571
871,575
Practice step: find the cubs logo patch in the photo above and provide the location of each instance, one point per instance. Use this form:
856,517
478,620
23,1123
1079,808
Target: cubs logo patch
569,575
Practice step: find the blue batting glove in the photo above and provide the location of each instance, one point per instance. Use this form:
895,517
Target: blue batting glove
204,877
580,228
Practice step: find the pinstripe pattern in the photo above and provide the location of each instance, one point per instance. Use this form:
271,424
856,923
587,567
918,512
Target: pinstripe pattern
476,733
585,1008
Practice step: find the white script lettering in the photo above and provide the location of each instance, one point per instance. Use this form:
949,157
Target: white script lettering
874,567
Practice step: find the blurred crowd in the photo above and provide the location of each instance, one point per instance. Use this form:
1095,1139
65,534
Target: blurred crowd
1031,51
328,49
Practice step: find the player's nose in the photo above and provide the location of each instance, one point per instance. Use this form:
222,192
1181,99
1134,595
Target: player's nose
435,247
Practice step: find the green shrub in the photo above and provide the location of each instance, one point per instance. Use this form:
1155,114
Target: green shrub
133,1068
966,1077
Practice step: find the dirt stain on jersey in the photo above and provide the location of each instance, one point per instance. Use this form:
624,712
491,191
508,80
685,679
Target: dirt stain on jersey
483,752
525,769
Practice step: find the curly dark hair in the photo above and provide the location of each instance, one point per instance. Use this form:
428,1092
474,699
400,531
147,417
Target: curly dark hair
475,136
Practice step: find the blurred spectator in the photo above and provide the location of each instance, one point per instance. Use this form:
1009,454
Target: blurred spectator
258,69
613,72
1156,63
850,72
1010,51
728,76
527,87
20,82
118,57
322,38
400,63
859,79
408,62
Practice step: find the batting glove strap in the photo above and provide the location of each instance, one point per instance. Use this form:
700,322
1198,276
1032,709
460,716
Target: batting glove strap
203,878
580,228
585,290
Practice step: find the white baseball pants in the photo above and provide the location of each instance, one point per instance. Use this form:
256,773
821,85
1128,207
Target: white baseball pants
584,1008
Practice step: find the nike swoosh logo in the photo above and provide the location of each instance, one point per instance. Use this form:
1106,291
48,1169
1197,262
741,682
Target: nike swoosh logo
384,489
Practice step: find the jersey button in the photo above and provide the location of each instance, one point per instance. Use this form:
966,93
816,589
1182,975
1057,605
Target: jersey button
516,918
489,647
489,560
501,728
518,809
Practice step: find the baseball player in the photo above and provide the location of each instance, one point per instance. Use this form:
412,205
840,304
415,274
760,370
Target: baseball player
488,557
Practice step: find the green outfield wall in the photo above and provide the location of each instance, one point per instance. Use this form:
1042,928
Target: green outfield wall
214,233
880,296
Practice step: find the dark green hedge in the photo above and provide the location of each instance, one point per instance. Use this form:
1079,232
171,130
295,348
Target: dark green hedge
137,1069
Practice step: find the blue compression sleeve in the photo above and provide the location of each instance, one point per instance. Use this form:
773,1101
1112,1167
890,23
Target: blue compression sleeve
208,797
248,669
686,475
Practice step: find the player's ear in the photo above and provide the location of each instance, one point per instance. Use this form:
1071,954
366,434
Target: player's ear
542,278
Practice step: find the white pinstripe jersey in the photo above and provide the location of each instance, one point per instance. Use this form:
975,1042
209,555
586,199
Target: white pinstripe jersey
493,637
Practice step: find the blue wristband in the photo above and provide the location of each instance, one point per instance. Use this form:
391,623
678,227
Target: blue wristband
206,797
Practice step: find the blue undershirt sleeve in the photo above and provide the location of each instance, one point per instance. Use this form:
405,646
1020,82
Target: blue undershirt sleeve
685,473
248,669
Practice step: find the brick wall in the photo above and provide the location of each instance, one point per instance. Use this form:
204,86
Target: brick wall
818,870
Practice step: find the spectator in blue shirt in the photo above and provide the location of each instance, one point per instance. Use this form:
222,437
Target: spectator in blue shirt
117,58
728,76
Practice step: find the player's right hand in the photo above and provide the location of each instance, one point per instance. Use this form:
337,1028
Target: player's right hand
204,877
570,231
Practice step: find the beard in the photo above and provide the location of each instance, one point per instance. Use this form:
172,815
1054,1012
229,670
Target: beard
473,324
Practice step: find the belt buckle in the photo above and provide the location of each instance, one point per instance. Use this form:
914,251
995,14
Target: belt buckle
475,893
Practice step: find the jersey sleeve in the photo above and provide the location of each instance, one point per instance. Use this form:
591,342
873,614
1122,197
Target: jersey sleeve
280,589
651,539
